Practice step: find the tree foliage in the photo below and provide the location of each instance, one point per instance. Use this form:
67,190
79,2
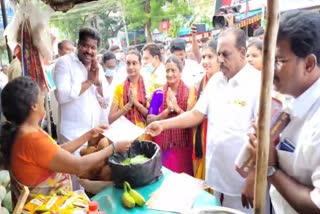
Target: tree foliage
69,28
107,17
148,14
102,15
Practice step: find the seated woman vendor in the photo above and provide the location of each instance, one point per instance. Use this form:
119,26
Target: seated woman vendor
32,156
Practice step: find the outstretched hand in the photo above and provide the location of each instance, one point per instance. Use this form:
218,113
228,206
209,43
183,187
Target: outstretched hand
98,130
154,128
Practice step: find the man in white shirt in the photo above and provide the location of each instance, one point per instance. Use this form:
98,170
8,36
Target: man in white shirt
153,70
229,101
192,71
121,71
294,164
82,89
64,47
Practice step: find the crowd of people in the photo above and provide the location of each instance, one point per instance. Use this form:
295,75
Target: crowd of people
198,109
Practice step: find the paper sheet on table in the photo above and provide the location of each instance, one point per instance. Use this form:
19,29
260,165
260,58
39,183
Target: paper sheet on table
122,130
176,194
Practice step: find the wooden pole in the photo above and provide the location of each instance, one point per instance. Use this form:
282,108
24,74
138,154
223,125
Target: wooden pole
22,200
5,23
269,46
48,113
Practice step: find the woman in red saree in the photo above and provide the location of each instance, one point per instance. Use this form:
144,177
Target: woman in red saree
176,144
130,98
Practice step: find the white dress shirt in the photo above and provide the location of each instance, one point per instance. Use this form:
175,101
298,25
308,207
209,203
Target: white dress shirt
230,107
78,113
157,76
3,80
192,73
303,132
120,76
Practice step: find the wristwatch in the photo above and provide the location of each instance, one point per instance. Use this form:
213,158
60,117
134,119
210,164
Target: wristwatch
271,170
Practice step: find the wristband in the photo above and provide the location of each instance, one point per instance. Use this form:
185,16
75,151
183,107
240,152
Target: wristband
271,171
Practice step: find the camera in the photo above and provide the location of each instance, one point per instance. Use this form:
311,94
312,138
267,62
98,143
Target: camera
221,20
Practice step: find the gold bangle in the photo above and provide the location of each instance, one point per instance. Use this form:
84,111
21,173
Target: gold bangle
125,108
89,81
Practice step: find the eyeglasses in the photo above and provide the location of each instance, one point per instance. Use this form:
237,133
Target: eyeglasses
278,63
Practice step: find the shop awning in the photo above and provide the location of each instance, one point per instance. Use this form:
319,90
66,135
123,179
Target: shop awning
249,18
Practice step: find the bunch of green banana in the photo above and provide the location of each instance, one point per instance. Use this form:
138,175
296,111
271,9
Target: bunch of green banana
127,200
131,197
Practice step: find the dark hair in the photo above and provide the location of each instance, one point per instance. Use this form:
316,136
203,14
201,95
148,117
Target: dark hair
161,46
153,49
176,61
177,45
63,42
114,47
89,32
17,97
238,33
212,44
108,55
256,42
259,31
301,29
134,52
132,48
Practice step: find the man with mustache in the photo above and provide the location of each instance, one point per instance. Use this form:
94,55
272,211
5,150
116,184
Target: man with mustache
82,90
230,102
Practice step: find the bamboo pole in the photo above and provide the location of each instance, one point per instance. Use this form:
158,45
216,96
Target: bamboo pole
21,200
269,46
48,113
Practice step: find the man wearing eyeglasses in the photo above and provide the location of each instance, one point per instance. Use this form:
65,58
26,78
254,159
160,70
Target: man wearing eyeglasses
294,164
